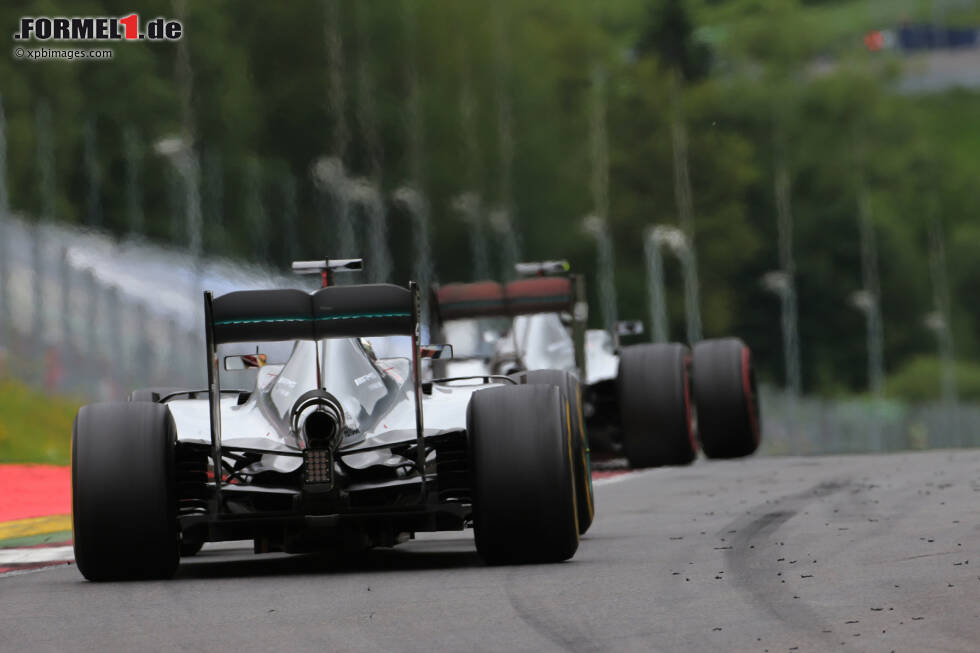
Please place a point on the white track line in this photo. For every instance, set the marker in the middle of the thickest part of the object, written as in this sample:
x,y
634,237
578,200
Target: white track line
x,y
34,555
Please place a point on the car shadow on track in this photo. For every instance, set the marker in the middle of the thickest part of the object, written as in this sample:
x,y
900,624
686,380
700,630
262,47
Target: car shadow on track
x,y
213,564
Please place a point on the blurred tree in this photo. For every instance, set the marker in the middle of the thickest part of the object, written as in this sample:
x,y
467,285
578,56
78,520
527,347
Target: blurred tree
x,y
668,34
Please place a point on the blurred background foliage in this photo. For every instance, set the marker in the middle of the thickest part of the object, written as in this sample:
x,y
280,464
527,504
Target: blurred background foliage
x,y
263,113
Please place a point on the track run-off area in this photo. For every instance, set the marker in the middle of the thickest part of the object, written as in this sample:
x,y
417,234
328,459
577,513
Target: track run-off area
x,y
851,553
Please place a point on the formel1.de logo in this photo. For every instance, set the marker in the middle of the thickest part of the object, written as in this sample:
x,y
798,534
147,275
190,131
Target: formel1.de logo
x,y
97,28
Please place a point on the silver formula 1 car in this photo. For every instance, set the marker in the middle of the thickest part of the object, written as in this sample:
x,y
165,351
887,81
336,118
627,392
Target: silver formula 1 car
x,y
334,449
653,403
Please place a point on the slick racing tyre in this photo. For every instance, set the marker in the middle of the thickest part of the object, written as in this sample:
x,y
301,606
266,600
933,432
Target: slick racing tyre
x,y
581,463
124,509
190,543
655,405
524,507
725,398
152,394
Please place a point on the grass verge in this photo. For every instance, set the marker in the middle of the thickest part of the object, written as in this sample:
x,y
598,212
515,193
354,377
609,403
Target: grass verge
x,y
34,427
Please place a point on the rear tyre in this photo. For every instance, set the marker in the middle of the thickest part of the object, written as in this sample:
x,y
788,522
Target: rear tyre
x,y
726,399
655,405
524,508
124,509
152,394
581,462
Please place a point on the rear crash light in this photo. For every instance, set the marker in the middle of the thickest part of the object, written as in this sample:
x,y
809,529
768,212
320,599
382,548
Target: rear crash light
x,y
318,467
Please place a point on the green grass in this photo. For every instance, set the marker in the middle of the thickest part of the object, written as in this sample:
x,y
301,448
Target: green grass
x,y
34,427
34,540
918,380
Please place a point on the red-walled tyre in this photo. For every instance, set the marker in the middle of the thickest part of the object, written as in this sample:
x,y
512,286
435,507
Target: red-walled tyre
x,y
655,405
726,399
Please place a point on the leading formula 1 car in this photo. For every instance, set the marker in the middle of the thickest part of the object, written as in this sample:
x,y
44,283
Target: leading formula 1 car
x,y
335,449
638,400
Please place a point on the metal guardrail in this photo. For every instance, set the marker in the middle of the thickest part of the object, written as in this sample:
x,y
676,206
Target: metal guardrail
x,y
84,314
810,425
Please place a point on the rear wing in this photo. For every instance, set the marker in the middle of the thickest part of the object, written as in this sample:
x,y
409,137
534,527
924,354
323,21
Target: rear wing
x,y
552,288
540,295
334,312
457,301
331,312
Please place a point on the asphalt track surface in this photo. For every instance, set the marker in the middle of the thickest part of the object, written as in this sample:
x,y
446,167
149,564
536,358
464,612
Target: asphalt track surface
x,y
856,553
